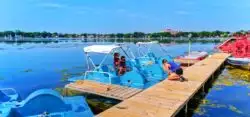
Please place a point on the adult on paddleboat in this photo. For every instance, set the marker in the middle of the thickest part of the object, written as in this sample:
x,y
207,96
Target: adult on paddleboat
x,y
122,66
116,61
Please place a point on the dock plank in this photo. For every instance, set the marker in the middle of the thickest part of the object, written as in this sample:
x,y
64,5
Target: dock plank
x,y
106,90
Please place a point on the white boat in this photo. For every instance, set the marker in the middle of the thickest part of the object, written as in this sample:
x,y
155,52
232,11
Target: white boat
x,y
192,57
242,62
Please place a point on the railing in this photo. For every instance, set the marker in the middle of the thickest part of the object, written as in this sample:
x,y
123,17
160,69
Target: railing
x,y
109,75
7,90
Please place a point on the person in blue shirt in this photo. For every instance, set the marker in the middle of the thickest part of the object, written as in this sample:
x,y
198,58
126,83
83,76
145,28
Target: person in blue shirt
x,y
172,75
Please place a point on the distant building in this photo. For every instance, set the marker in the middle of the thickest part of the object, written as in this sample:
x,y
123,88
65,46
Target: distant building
x,y
171,31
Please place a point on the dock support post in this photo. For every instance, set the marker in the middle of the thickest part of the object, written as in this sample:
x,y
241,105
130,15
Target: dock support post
x,y
203,89
186,110
66,92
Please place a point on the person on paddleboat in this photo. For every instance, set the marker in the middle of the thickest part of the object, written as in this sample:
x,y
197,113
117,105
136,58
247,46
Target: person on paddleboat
x,y
122,66
172,75
116,61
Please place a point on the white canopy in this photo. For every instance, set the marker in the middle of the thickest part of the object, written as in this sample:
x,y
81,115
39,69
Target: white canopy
x,y
146,43
100,48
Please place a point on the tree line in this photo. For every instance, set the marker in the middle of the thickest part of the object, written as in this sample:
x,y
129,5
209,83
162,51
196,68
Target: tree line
x,y
44,34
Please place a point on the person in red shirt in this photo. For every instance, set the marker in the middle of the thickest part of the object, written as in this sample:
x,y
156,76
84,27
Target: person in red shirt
x,y
122,66
116,61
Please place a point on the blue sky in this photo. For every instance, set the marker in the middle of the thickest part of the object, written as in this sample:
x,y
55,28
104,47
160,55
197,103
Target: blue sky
x,y
106,16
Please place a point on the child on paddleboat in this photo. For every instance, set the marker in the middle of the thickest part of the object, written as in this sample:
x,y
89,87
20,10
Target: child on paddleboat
x,y
116,61
122,66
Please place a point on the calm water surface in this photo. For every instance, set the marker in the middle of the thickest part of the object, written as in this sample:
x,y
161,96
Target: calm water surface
x,y
31,66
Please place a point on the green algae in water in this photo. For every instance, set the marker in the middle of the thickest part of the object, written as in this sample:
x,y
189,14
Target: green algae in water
x,y
200,111
27,70
67,92
96,104
101,106
234,109
205,101
65,77
217,88
224,82
240,74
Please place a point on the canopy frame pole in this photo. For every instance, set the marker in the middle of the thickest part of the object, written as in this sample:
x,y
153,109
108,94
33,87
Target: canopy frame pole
x,y
125,52
131,53
87,60
91,61
103,60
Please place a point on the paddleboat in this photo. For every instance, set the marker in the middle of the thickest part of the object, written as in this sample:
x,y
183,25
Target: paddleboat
x,y
43,103
106,73
191,58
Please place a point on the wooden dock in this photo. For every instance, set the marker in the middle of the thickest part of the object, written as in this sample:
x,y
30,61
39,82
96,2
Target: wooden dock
x,y
167,98
106,90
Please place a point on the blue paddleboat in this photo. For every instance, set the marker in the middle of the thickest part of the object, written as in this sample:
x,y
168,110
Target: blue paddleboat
x,y
150,65
45,103
106,73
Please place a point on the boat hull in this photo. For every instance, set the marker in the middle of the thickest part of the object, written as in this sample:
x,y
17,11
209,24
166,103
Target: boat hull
x,y
192,58
241,62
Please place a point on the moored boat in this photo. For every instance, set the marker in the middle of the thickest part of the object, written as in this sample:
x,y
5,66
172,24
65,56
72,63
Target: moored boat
x,y
191,58
242,62
239,47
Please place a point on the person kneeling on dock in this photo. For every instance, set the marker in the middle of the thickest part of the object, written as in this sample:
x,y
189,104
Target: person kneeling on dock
x,y
176,75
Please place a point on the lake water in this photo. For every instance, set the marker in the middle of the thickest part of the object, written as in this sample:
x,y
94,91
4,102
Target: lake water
x,y
31,66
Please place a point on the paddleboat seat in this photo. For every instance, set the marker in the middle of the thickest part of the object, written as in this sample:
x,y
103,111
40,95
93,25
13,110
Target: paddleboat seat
x,y
154,73
151,54
48,102
133,78
102,75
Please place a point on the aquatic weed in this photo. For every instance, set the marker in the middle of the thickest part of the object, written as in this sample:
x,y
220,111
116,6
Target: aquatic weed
x,y
234,109
27,70
200,111
65,77
67,92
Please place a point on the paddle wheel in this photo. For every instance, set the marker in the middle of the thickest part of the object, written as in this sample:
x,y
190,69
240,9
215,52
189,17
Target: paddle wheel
x,y
238,46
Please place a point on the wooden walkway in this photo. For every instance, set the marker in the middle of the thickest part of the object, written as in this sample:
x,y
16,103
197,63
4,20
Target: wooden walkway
x,y
167,98
106,90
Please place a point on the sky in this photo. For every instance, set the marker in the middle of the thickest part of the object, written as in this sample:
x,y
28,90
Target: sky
x,y
113,16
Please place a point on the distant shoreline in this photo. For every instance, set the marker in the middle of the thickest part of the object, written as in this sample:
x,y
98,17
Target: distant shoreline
x,y
160,40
